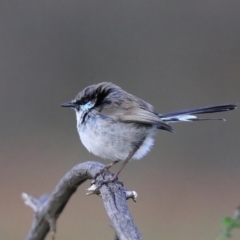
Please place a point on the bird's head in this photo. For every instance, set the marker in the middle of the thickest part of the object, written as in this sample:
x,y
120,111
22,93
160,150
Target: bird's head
x,y
96,97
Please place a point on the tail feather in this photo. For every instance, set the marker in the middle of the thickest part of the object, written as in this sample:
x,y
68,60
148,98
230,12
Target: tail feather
x,y
189,114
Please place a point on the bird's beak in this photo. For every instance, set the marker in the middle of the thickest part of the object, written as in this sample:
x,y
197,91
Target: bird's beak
x,y
69,104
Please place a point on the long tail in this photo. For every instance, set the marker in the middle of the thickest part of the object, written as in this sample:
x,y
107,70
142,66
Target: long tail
x,y
189,114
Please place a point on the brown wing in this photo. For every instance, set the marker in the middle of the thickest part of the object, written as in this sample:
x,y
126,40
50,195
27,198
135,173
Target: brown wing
x,y
143,116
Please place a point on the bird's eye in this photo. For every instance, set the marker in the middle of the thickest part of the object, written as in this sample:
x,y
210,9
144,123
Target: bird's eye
x,y
84,101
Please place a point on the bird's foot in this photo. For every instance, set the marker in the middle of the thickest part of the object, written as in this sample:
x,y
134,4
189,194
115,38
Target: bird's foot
x,y
101,171
113,179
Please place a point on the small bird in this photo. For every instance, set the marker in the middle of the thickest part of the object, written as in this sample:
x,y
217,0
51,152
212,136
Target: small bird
x,y
116,125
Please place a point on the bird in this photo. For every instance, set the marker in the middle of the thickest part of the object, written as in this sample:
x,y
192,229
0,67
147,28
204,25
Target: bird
x,y
116,125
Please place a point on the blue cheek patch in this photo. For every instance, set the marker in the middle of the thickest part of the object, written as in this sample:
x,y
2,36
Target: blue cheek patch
x,y
87,106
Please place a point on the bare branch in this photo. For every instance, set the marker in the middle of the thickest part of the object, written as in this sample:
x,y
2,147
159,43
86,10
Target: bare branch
x,y
48,207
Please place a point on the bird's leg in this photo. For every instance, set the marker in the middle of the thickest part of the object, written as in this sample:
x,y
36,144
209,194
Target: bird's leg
x,y
123,165
110,164
115,177
106,167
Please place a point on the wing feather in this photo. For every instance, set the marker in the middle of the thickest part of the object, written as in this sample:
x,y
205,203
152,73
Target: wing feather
x,y
143,116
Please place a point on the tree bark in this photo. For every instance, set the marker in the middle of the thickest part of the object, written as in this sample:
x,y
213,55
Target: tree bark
x,y
48,207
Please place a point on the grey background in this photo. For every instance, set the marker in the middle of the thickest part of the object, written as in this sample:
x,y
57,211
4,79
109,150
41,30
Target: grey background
x,y
174,54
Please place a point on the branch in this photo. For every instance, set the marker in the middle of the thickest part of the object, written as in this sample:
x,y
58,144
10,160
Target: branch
x,y
48,207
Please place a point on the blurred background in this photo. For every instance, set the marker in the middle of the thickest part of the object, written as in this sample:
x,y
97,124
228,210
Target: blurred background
x,y
174,54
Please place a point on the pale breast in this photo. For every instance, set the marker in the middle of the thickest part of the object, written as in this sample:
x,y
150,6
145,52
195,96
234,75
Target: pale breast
x,y
115,140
